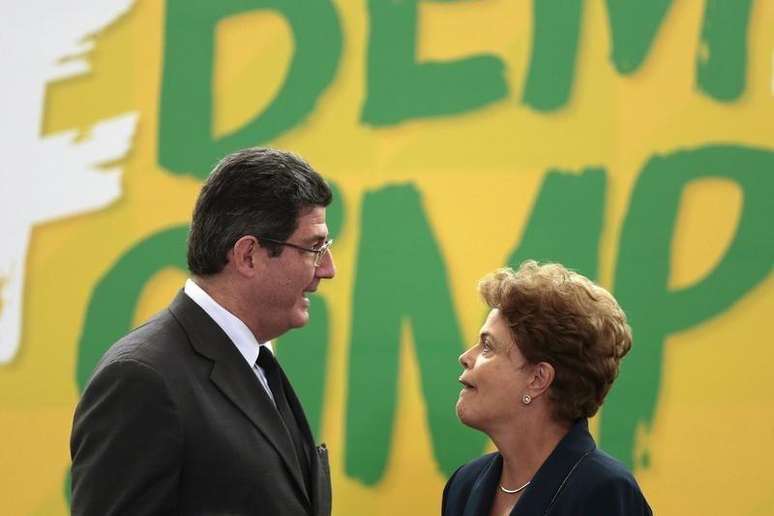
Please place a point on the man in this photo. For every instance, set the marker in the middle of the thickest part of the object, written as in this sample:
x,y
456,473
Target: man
x,y
190,413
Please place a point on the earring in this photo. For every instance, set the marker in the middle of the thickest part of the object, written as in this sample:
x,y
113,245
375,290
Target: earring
x,y
526,399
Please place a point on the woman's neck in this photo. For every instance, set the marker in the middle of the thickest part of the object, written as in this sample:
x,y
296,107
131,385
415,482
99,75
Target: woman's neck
x,y
526,447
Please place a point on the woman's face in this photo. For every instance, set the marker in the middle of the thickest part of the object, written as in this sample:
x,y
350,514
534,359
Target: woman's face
x,y
494,379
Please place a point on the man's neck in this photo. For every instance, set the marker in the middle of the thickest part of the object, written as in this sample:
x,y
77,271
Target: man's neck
x,y
223,292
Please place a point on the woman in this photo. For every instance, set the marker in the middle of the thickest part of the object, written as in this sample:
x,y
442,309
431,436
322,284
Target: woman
x,y
544,361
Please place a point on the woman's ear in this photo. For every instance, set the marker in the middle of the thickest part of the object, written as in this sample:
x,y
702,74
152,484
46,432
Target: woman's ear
x,y
543,375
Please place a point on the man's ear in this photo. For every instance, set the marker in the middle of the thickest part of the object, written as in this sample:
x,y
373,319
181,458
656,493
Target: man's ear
x,y
543,375
247,256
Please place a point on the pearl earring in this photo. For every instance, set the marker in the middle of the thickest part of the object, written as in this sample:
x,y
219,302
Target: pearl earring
x,y
526,399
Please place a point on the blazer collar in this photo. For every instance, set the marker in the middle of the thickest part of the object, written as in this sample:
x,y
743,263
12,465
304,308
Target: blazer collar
x,y
484,488
233,377
547,482
555,471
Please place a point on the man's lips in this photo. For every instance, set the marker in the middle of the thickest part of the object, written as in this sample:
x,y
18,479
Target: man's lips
x,y
466,384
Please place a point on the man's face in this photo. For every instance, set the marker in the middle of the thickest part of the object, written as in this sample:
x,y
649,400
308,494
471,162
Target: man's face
x,y
289,277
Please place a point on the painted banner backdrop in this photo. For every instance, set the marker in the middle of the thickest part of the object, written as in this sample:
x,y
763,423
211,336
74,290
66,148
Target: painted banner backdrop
x,y
633,141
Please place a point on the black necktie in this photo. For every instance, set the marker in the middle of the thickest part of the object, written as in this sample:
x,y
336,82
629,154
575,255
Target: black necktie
x,y
272,369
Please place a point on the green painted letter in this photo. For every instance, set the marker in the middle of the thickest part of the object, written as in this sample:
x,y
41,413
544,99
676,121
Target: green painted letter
x,y
633,27
566,222
722,63
401,279
399,88
643,271
186,143
554,47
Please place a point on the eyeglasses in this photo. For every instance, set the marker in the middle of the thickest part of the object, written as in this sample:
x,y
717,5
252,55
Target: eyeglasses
x,y
319,252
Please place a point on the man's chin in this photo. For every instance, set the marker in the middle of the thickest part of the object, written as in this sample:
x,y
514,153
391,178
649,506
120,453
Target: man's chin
x,y
300,318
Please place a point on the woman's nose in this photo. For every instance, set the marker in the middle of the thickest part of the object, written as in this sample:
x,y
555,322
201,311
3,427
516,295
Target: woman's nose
x,y
465,359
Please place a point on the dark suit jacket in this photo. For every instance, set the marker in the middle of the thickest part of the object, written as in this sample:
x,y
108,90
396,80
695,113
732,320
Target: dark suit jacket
x,y
174,421
576,479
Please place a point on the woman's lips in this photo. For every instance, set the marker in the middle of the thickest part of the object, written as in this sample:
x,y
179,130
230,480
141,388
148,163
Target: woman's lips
x,y
465,385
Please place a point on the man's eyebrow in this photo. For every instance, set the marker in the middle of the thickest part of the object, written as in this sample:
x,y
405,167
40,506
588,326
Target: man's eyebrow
x,y
319,238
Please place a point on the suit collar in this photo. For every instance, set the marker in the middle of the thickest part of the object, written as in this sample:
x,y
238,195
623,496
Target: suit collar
x,y
236,330
234,378
484,489
547,483
555,471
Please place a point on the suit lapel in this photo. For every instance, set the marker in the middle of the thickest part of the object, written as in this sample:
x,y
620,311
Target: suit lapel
x,y
300,416
552,476
316,456
234,378
482,494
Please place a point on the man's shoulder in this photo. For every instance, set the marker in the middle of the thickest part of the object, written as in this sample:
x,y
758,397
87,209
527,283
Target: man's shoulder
x,y
155,343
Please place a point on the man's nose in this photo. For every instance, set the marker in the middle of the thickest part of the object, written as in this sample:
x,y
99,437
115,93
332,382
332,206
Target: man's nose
x,y
326,269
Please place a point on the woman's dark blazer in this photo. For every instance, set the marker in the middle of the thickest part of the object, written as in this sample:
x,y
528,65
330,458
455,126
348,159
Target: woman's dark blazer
x,y
576,479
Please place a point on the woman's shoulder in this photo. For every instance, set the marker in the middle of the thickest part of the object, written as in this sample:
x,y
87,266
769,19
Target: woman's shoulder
x,y
599,467
603,485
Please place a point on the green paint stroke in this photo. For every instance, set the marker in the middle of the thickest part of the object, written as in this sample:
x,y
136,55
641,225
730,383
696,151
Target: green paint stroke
x,y
642,273
566,222
398,88
554,52
633,27
401,279
186,142
721,66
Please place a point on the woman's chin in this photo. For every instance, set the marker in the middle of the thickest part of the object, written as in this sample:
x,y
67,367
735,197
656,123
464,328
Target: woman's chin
x,y
464,415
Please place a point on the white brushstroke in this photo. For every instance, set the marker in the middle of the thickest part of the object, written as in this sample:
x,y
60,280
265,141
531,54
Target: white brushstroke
x,y
46,178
